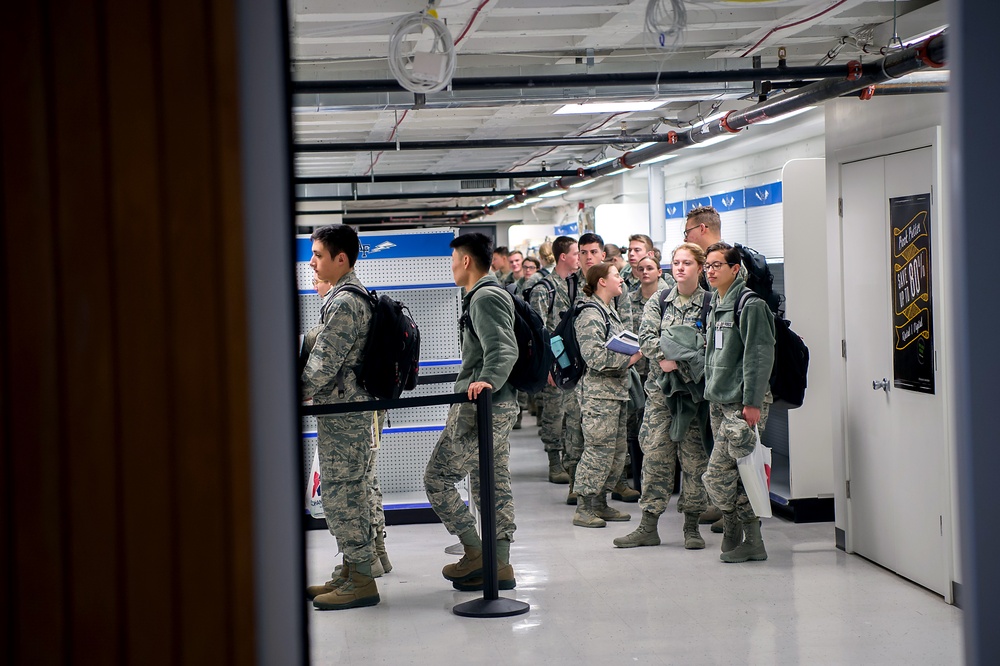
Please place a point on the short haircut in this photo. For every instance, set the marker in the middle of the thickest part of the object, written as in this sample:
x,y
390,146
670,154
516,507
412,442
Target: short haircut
x,y
502,251
531,260
695,250
594,275
706,215
337,238
590,239
729,253
657,255
612,251
561,246
517,252
644,239
477,246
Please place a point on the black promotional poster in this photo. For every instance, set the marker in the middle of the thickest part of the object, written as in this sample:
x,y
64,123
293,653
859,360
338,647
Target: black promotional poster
x,y
913,337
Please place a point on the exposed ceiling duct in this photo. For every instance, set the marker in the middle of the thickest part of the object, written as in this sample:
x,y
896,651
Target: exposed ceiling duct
x,y
930,53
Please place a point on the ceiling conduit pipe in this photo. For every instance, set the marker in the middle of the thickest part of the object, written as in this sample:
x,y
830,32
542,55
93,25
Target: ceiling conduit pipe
x,y
474,144
415,177
927,54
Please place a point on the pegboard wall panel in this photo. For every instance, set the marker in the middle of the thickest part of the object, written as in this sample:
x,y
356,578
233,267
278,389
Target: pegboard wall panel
x,y
403,458
765,232
436,313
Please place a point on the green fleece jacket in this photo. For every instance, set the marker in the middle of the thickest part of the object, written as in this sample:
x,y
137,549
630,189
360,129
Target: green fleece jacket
x,y
489,350
739,369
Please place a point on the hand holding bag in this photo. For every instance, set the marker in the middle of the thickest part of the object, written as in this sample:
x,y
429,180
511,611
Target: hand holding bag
x,y
755,472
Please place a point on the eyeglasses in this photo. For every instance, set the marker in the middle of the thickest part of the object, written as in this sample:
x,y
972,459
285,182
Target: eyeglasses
x,y
688,230
717,265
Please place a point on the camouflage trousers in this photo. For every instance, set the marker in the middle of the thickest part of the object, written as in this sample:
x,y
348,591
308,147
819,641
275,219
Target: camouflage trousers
x,y
457,454
573,428
733,439
660,457
603,445
345,462
374,489
559,423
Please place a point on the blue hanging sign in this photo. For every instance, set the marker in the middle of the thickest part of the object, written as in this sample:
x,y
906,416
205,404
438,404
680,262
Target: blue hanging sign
x,y
390,246
675,210
697,203
765,195
568,229
729,201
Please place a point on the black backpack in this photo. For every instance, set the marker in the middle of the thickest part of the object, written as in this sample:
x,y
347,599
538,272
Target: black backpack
x,y
569,366
759,278
391,358
534,355
791,358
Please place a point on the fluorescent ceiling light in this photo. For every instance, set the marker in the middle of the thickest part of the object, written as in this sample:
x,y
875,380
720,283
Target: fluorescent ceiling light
x,y
497,202
615,173
532,200
583,184
515,206
661,158
924,36
771,121
549,195
610,107
715,139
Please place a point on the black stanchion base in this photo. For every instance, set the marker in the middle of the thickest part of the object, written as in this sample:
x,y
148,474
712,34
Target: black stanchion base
x,y
491,608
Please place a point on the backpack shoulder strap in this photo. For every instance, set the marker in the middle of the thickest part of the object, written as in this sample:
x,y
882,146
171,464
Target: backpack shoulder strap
x,y
604,315
663,300
465,320
741,303
360,291
551,289
706,305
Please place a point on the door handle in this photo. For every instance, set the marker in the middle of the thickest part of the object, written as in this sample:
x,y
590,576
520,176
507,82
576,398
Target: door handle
x,y
884,385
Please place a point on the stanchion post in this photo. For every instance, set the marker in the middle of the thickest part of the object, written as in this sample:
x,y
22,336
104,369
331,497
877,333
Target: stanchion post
x,y
492,604
487,494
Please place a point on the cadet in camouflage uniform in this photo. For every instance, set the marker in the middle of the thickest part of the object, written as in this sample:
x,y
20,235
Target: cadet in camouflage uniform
x,y
674,426
489,351
551,298
344,440
639,246
737,372
604,397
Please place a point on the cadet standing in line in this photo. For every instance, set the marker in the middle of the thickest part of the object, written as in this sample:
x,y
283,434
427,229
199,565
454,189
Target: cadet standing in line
x,y
639,246
344,440
550,298
676,419
604,397
737,372
489,351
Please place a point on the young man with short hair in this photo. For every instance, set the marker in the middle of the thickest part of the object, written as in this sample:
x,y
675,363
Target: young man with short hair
x,y
489,351
703,227
500,265
639,246
344,440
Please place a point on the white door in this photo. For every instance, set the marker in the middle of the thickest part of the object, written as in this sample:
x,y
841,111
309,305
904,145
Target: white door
x,y
896,438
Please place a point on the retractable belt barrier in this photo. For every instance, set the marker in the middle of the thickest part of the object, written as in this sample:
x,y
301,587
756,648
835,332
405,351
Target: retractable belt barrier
x,y
492,604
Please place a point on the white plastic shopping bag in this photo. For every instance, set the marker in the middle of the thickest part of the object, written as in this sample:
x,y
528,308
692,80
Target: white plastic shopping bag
x,y
314,497
755,472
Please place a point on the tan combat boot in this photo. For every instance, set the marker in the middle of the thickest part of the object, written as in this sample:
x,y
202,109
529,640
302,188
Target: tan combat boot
x,y
624,492
340,575
585,516
605,512
381,555
470,566
571,497
359,591
752,547
692,537
644,535
732,533
556,472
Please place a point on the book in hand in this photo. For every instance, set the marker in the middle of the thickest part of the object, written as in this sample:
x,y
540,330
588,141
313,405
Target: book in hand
x,y
625,342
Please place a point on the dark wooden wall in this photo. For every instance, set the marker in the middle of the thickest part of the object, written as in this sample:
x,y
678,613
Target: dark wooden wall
x,y
125,524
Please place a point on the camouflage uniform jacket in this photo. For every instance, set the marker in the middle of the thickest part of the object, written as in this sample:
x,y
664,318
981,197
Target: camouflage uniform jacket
x,y
631,281
338,349
678,311
540,298
739,371
607,371
489,354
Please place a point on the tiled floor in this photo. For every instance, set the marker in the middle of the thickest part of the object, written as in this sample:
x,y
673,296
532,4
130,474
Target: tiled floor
x,y
591,603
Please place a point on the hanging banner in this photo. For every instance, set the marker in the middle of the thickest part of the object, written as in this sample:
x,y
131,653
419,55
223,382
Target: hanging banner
x,y
913,338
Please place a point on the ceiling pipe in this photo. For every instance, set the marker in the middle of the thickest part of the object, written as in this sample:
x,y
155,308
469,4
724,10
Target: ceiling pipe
x,y
930,53
415,177
411,195
474,144
582,80
413,210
